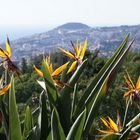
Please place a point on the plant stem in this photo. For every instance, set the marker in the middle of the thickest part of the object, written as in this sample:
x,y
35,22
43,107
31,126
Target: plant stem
x,y
126,111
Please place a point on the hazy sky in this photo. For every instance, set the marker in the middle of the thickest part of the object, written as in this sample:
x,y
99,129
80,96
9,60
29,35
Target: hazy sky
x,y
25,17
55,12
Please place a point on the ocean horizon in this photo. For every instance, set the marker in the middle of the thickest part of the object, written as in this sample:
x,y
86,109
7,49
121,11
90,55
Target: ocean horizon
x,y
19,32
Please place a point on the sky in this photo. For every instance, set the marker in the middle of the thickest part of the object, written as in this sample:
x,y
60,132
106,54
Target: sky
x,y
22,16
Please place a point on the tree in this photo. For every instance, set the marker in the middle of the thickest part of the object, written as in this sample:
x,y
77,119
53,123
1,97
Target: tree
x,y
24,66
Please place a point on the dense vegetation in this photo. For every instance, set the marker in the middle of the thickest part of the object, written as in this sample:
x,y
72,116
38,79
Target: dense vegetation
x,y
70,109
27,88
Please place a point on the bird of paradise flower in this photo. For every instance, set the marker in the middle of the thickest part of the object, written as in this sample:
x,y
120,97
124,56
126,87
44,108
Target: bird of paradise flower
x,y
7,61
54,73
77,56
112,127
134,90
3,88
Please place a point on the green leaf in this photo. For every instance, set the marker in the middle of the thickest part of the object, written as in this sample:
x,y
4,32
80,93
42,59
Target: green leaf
x,y
64,75
35,114
101,76
93,105
76,130
95,108
75,77
28,123
50,87
43,118
41,130
73,103
57,130
65,97
111,137
14,123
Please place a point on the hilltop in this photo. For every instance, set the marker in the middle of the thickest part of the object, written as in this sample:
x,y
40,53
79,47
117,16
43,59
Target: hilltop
x,y
73,26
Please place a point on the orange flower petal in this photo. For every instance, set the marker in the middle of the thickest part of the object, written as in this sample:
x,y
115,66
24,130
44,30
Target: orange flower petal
x,y
128,93
58,83
68,53
76,48
60,69
129,84
2,53
39,72
72,67
138,83
79,51
106,131
106,123
84,49
113,125
130,80
50,68
8,49
5,89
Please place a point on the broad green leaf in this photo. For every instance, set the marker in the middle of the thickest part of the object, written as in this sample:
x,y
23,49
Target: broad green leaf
x,y
50,87
72,67
111,137
14,123
75,77
98,80
43,118
76,130
64,75
93,105
35,114
56,128
59,69
73,103
65,97
28,123
41,130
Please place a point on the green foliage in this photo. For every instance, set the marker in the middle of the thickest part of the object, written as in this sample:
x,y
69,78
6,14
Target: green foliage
x,y
14,123
43,115
24,65
26,87
76,131
51,89
65,102
56,128
28,122
69,112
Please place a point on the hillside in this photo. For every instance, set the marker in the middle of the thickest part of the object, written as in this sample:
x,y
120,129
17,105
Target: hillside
x,y
106,39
